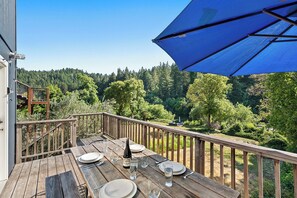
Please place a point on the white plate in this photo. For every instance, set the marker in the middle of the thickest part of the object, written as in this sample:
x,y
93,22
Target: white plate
x,y
90,157
136,148
178,171
120,188
177,167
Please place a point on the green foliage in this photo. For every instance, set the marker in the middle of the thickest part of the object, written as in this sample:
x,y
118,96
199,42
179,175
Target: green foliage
x,y
247,90
234,129
206,94
71,104
129,96
158,111
274,140
281,93
244,114
178,106
87,89
55,93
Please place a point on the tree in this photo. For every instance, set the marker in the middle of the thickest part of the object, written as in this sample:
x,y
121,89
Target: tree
x,y
206,93
55,93
128,94
87,89
281,94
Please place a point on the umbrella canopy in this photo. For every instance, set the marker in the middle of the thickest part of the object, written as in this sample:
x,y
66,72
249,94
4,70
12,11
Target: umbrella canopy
x,y
234,37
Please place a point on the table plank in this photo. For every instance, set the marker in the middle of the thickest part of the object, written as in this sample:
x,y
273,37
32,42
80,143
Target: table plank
x,y
76,170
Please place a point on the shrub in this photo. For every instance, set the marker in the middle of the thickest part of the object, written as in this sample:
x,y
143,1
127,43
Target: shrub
x,y
192,123
158,111
236,128
276,143
249,127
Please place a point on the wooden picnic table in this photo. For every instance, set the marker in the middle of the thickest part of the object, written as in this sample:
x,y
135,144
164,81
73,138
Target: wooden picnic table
x,y
195,185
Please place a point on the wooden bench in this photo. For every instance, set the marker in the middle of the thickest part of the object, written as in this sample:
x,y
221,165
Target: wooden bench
x,y
61,185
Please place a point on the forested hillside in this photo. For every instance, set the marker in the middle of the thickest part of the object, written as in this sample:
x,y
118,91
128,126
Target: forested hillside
x,y
164,84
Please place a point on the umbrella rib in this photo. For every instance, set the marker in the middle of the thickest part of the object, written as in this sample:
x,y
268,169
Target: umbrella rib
x,y
206,26
260,51
235,42
274,36
279,17
287,40
220,22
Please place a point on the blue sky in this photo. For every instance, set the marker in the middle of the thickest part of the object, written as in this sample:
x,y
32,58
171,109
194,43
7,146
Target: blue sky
x,y
94,35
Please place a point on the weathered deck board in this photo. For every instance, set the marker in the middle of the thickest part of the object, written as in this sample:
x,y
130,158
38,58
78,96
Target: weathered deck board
x,y
30,192
11,183
22,181
41,178
28,179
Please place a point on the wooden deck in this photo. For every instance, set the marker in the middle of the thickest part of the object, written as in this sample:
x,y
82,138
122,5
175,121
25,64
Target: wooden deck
x,y
28,179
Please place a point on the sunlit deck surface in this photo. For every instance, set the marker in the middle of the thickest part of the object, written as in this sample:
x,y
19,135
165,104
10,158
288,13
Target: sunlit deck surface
x,y
28,179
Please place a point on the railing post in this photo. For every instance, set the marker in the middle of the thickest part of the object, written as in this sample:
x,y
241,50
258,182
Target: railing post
x,y
144,137
277,179
295,179
104,123
73,133
118,128
197,155
233,170
19,145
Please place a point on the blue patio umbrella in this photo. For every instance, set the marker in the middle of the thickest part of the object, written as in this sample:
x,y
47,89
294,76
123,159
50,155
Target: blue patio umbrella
x,y
234,37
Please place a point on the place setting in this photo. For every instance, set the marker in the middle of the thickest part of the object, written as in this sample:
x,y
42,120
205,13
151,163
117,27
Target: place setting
x,y
90,160
177,168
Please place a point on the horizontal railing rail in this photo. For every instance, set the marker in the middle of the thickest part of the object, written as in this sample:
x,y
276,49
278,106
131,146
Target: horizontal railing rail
x,y
190,149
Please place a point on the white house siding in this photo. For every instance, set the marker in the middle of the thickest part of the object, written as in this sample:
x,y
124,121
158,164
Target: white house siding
x,y
7,45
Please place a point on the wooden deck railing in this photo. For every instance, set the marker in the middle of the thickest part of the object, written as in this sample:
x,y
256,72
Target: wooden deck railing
x,y
189,148
211,156
39,139
88,124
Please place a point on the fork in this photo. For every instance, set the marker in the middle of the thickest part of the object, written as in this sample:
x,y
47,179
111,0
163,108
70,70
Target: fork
x,y
185,177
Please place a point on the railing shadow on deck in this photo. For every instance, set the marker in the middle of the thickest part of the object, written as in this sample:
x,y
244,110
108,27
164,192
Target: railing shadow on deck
x,y
195,150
